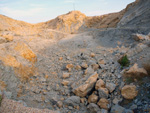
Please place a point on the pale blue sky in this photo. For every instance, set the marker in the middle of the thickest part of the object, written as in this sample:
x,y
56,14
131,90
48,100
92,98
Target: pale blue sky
x,y
34,11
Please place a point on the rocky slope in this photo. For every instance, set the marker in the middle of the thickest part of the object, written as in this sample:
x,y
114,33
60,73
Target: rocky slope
x,y
70,64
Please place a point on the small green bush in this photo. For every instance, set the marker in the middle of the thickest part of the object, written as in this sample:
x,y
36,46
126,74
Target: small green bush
x,y
124,61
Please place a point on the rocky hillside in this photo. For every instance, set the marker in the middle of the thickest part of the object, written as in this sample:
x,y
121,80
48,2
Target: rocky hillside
x,y
77,64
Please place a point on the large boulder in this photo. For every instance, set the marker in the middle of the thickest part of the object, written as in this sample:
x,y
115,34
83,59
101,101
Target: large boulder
x,y
135,71
129,92
83,89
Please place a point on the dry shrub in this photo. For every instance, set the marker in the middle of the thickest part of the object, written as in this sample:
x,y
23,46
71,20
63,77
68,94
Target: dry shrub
x,y
25,72
11,61
26,52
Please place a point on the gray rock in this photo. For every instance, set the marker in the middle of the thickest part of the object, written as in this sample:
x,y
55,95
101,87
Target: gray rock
x,y
117,109
72,101
102,94
93,108
110,86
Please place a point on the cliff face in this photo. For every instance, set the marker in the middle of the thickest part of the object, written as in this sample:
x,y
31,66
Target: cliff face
x,y
137,14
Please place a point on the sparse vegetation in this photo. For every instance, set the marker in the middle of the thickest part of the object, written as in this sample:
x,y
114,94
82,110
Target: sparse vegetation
x,y
124,61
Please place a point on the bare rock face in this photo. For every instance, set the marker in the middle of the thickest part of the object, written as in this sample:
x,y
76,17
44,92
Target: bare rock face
x,y
87,86
92,98
104,103
99,84
136,14
129,92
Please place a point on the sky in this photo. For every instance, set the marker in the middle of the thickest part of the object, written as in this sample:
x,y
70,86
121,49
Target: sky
x,y
34,11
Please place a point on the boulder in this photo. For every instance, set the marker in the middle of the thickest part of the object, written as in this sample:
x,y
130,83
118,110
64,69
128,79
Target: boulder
x,y
103,92
110,86
135,70
93,98
83,89
104,103
129,91
99,84
93,108
72,101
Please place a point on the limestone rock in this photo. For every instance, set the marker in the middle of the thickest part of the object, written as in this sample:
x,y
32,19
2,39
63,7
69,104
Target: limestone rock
x,y
103,92
95,66
110,86
93,98
66,75
104,103
87,86
92,55
84,65
93,108
59,104
101,61
135,70
99,84
65,82
72,101
129,92
69,67
89,71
